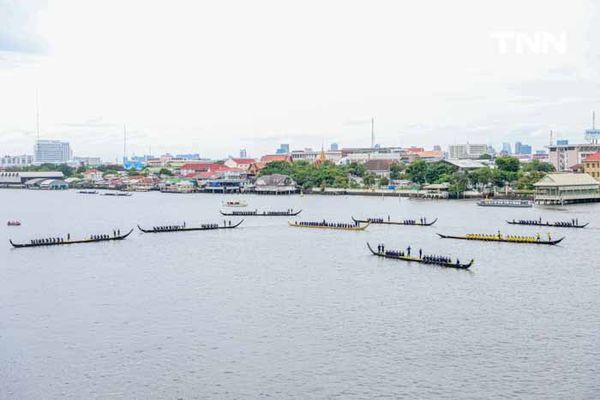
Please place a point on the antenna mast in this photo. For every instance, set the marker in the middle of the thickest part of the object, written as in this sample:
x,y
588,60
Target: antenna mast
x,y
124,143
37,115
372,132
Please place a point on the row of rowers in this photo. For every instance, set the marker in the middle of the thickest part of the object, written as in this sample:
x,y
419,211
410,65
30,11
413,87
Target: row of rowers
x,y
512,238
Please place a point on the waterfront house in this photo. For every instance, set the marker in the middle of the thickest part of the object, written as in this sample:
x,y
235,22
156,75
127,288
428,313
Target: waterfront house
x,y
18,179
591,165
275,184
466,165
241,163
197,168
565,188
54,184
379,167
92,175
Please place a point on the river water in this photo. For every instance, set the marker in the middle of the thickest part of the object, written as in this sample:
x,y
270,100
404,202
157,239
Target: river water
x,y
271,311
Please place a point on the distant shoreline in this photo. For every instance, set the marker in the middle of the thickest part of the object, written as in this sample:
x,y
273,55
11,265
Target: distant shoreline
x,y
412,194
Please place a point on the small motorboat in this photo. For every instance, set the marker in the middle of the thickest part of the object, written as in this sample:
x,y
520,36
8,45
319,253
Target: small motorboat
x,y
234,203
13,223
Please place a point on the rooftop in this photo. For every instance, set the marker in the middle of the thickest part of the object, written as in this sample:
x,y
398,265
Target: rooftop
x,y
593,157
566,179
466,164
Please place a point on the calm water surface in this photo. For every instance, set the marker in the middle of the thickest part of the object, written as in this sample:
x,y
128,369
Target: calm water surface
x,y
269,311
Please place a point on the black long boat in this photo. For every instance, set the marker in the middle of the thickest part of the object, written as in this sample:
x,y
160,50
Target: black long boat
x,y
119,194
381,221
182,228
495,238
559,224
58,243
255,213
419,260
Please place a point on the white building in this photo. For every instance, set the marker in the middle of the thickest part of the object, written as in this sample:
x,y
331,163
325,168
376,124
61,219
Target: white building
x,y
16,161
468,150
87,161
52,151
312,155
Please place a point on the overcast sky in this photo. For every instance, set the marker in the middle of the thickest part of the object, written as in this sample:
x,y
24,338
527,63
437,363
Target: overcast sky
x,y
214,77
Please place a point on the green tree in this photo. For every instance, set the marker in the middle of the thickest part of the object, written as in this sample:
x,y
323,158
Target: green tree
x,y
417,171
508,164
369,179
458,183
165,171
396,170
537,166
384,181
438,172
356,169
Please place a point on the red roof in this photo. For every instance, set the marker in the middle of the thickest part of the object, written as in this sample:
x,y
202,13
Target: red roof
x,y
243,160
593,157
414,149
274,157
203,167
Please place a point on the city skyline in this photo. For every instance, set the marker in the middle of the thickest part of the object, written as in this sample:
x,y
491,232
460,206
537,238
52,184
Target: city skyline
x,y
194,86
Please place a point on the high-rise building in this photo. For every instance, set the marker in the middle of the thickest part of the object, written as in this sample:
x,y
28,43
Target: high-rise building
x,y
334,147
461,151
284,148
525,149
52,151
506,148
521,148
243,153
437,147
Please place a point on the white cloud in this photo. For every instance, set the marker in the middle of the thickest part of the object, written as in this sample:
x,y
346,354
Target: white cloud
x,y
212,77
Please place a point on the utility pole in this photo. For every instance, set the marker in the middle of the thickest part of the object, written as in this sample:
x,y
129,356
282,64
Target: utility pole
x,y
37,115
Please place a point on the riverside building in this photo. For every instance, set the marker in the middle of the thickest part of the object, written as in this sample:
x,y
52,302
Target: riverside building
x,y
566,188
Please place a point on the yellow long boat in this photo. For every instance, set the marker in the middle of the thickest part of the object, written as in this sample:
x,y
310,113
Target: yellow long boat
x,y
504,238
335,226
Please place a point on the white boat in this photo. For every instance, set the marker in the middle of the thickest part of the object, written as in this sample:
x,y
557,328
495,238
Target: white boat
x,y
234,203
505,203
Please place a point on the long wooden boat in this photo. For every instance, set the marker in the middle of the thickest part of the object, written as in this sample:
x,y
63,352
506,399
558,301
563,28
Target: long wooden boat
x,y
493,238
255,213
505,203
384,222
181,228
420,260
108,239
117,194
556,225
349,227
